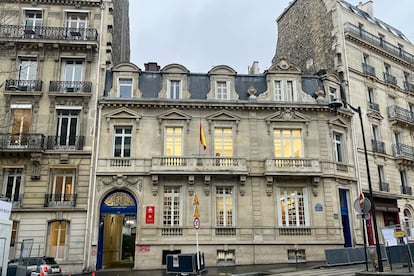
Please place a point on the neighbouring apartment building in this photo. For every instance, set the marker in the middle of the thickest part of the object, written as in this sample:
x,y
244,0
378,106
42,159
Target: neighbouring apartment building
x,y
54,56
375,63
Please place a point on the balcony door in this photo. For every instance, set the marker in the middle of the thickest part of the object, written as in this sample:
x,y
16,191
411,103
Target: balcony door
x,y
72,75
77,23
20,127
32,23
13,184
67,128
27,74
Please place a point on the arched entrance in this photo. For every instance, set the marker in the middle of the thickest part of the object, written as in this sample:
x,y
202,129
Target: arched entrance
x,y
117,230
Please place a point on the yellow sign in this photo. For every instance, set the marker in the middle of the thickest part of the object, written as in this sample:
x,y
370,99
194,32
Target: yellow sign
x,y
196,213
195,201
399,234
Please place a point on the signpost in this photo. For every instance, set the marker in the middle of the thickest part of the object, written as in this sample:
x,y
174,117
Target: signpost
x,y
196,224
363,205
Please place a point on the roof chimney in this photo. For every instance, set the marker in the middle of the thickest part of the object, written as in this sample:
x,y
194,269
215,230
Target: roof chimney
x,y
152,66
367,7
254,69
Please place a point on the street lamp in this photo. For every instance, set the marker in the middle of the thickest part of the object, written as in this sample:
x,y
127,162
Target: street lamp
x,y
338,104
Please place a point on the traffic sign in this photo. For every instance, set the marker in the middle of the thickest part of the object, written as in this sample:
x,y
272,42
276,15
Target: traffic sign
x,y
363,216
366,205
196,223
399,234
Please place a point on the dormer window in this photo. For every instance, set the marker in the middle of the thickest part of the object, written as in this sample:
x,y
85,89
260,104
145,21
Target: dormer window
x,y
174,89
223,90
125,88
285,91
333,94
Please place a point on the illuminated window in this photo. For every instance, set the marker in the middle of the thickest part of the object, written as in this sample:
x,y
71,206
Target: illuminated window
x,y
292,206
339,147
57,239
62,190
223,142
287,143
20,126
224,206
125,88
174,89
226,256
222,90
172,206
13,238
122,142
173,141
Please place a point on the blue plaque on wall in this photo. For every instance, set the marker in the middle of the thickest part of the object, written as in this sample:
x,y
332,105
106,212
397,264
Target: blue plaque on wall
x,y
318,207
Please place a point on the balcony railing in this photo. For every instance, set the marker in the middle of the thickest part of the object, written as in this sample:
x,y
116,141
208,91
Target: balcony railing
x,y
172,232
16,200
408,86
388,78
378,42
368,70
374,106
282,166
70,87
65,142
54,33
23,85
406,190
60,200
21,141
200,164
400,114
378,146
384,186
402,150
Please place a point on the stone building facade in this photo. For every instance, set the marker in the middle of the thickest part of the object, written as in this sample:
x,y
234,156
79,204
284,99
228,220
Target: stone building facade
x,y
375,63
54,55
268,180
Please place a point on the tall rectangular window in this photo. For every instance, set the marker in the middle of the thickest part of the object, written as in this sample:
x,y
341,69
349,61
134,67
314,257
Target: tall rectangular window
x,y
173,141
12,187
13,238
223,142
292,206
125,88
77,24
63,186
172,206
22,119
57,239
122,141
338,140
285,91
73,70
333,94
67,127
32,23
27,69
278,91
222,90
174,89
376,133
381,174
224,206
287,143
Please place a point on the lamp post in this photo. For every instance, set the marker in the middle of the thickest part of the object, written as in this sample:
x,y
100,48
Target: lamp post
x,y
335,105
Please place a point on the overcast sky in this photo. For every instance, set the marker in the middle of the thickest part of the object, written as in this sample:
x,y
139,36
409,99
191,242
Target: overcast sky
x,y
204,33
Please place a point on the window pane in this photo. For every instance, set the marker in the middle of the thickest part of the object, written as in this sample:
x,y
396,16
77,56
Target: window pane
x,y
287,143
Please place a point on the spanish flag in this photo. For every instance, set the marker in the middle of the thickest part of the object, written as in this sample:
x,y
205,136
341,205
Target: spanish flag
x,y
202,137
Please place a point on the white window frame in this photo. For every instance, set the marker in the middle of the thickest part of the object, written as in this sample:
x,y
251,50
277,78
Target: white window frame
x,y
376,134
16,175
177,193
222,90
381,174
68,140
333,94
125,83
123,135
281,193
67,173
339,156
174,137
220,140
291,139
174,89
224,195
60,251
285,90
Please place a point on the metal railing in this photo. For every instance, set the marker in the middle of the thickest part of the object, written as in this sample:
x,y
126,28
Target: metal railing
x,y
21,141
55,33
52,200
388,78
403,150
406,190
368,70
378,42
384,186
374,106
398,113
408,86
378,146
65,142
70,86
23,85
16,199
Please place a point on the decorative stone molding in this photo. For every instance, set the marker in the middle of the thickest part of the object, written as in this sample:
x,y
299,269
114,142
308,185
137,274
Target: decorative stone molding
x,y
155,182
315,184
121,114
120,181
269,185
36,158
242,183
190,185
223,116
207,182
174,114
287,115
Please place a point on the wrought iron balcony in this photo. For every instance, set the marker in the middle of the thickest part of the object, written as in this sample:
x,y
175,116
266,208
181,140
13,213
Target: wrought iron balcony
x,y
368,70
378,146
289,166
374,106
18,141
384,186
70,87
408,86
65,142
50,33
52,200
16,200
24,85
406,190
376,41
402,150
398,114
388,78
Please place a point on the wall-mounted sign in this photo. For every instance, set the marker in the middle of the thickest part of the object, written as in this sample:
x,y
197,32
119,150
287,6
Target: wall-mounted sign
x,y
149,214
318,207
5,210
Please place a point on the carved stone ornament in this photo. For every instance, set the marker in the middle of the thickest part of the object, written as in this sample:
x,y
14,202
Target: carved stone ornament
x,y
121,180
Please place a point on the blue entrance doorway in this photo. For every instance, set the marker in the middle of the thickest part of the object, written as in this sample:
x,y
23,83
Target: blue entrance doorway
x,y
117,229
343,197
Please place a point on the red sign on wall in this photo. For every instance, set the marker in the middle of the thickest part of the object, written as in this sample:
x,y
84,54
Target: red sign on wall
x,y
149,214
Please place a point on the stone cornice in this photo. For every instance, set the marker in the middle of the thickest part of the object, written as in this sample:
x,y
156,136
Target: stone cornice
x,y
76,3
